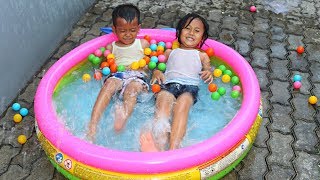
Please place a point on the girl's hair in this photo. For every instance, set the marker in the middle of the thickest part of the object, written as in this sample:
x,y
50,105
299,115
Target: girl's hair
x,y
186,20
127,12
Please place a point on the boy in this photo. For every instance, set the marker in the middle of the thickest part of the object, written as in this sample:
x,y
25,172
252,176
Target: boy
x,y
127,49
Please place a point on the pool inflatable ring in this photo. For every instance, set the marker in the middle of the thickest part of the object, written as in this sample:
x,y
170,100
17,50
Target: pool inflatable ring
x,y
215,157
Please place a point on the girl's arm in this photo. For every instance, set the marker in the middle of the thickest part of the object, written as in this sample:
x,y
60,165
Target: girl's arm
x,y
206,73
158,75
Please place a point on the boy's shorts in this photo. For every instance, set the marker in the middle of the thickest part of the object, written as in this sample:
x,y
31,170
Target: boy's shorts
x,y
128,76
177,89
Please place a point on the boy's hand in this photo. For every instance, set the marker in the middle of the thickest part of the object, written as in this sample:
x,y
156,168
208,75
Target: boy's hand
x,y
157,76
206,75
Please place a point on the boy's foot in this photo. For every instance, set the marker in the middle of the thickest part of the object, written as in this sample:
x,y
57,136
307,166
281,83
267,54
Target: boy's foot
x,y
120,118
147,143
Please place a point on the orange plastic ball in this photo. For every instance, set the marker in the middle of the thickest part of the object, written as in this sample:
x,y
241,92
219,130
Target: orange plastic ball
x,y
210,52
97,75
153,53
111,61
113,68
147,37
300,49
155,88
104,64
147,58
159,52
212,87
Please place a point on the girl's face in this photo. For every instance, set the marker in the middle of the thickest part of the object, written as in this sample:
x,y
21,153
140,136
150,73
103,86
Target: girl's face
x,y
192,34
126,31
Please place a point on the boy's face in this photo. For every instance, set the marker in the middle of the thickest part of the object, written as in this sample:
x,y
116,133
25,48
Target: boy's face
x,y
126,31
192,34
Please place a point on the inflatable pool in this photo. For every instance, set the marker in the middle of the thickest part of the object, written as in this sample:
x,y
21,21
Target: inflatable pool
x,y
213,158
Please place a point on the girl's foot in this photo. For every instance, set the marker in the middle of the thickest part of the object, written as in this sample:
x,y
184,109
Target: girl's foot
x,y
147,143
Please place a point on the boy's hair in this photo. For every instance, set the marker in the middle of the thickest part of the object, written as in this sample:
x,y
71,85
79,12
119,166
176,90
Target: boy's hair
x,y
184,23
127,12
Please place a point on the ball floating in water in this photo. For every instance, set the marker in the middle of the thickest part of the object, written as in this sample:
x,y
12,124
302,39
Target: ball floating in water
x,y
235,80
106,53
86,77
215,96
297,77
154,59
152,65
106,71
153,47
235,94
222,68
253,9
225,78
97,75
155,88
98,52
90,57
24,111
236,88
111,61
16,106
221,91
102,49
297,85
147,37
147,51
168,45
110,56
142,63
162,67
217,72
162,58
210,52
212,87
135,65
300,49
113,68
17,118
96,60
313,100
22,139
153,41
120,68
228,72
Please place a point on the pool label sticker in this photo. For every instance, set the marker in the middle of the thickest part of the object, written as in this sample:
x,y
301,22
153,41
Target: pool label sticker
x,y
68,164
59,157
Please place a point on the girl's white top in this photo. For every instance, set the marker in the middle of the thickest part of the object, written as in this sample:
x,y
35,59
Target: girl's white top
x,y
183,66
127,55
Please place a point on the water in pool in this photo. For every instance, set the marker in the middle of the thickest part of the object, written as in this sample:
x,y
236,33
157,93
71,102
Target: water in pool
x,y
74,101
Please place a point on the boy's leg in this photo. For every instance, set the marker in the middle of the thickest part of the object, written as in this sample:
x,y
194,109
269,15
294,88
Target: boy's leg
x,y
103,99
180,119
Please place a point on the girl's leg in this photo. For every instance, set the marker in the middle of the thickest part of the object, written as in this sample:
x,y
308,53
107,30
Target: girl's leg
x,y
103,100
123,112
180,119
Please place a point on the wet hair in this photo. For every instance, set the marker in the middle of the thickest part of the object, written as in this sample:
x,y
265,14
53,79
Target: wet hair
x,y
186,20
127,12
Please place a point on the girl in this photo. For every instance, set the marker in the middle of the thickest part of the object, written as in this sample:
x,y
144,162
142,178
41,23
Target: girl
x,y
180,85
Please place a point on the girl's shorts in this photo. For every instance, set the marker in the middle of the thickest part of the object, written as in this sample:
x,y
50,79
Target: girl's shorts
x,y
177,89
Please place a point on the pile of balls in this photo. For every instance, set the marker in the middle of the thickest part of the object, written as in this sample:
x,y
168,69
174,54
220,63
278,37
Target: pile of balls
x,y
297,81
17,118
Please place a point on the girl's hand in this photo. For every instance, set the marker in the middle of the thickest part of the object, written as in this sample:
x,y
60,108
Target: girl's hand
x,y
206,75
157,76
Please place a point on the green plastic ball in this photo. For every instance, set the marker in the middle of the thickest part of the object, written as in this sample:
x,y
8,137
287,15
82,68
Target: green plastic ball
x,y
221,91
121,68
222,68
235,80
235,94
228,72
215,96
152,65
102,49
96,61
162,67
91,57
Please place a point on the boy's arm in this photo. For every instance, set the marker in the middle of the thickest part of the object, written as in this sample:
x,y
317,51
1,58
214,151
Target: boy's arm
x,y
109,47
144,43
206,73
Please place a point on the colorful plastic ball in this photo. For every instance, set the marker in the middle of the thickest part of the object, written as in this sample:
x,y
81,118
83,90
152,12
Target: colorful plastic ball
x,y
96,60
98,52
297,77
212,87
135,65
235,94
147,37
106,53
16,106
111,61
142,63
210,52
253,9
168,45
110,56
155,88
236,88
162,58
153,41
17,118
222,68
175,46
152,65
300,49
147,58
162,67
102,49
228,72
113,68
121,68
297,85
106,71
24,111
215,96
90,57
153,47
154,59
217,72
147,51
235,80
161,43
104,64
222,91
97,75
160,48
313,100
22,139
86,77
225,78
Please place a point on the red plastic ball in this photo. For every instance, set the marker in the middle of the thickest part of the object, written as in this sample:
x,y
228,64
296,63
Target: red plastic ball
x,y
300,49
155,88
210,52
212,87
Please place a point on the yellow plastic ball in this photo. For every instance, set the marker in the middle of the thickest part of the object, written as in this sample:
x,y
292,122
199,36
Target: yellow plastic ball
x,y
142,63
175,46
17,118
313,100
86,78
217,73
135,65
225,78
22,139
110,56
147,51
160,48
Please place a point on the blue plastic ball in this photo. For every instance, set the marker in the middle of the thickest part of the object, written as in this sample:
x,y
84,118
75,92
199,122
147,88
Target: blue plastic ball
x,y
16,106
161,43
154,59
297,77
24,111
106,71
153,47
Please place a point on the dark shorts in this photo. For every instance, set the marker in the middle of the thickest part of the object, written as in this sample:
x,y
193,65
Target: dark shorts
x,y
177,89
